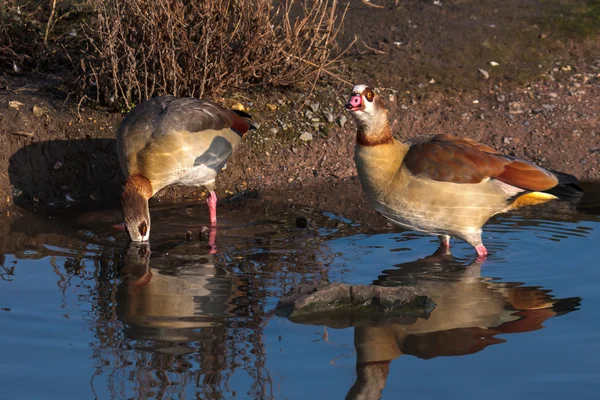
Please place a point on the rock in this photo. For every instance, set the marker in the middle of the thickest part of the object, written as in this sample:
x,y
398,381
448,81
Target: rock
x,y
238,106
432,81
483,72
515,108
17,68
342,121
15,104
305,136
341,305
494,63
329,117
38,111
203,233
273,130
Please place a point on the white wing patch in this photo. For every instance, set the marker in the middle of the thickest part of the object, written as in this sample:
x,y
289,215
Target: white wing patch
x,y
198,175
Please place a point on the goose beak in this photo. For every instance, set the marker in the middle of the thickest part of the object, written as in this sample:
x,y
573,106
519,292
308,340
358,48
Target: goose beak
x,y
354,103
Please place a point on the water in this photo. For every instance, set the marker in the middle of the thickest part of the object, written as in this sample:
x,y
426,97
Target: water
x,y
86,316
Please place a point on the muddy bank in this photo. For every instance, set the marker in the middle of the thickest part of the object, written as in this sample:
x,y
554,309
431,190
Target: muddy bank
x,y
68,154
541,102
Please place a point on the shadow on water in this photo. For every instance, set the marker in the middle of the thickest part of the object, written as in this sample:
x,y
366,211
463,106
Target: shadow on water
x,y
172,320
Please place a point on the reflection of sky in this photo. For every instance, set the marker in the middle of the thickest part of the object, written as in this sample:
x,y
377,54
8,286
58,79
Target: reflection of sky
x,y
45,339
559,361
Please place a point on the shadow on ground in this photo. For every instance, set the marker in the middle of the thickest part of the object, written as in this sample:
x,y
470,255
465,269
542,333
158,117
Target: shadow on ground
x,y
62,171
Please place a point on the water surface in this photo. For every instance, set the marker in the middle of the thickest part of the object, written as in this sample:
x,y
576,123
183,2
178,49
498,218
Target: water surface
x,y
85,315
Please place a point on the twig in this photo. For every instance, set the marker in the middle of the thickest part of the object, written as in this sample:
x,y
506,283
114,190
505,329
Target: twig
x,y
367,2
319,69
368,47
49,23
21,133
80,118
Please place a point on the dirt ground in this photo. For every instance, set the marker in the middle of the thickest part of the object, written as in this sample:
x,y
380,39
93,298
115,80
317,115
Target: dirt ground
x,y
433,63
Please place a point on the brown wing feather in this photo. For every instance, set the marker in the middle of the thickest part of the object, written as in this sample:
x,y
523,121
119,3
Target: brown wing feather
x,y
448,158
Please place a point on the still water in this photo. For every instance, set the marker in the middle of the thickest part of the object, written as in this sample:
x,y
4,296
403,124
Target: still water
x,y
83,315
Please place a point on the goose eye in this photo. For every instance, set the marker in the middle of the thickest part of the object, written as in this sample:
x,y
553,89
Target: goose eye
x,y
143,228
369,95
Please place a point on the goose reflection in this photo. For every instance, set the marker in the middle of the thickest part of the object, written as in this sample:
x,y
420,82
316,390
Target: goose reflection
x,y
175,295
471,311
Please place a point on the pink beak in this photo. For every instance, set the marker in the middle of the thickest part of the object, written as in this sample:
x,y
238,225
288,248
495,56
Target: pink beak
x,y
354,103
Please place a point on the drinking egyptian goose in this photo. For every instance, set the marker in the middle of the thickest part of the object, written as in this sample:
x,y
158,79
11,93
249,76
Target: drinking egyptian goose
x,y
170,140
443,184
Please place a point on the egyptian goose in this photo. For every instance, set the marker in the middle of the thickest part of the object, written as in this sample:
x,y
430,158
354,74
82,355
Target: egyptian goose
x,y
170,140
443,184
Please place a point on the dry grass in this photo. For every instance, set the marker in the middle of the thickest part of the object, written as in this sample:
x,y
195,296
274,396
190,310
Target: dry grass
x,y
17,37
143,48
41,35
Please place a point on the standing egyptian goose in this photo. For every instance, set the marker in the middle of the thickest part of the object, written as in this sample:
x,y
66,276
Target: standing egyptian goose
x,y
442,184
171,140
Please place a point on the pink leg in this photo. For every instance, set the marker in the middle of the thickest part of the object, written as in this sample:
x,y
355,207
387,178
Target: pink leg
x,y
212,207
481,250
212,237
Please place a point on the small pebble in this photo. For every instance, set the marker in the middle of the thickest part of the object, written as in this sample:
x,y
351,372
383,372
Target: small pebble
x,y
305,136
203,234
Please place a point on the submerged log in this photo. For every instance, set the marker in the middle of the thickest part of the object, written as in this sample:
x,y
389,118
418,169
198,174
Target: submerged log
x,y
340,305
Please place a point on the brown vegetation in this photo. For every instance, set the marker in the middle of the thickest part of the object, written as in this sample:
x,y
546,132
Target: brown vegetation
x,y
41,35
132,50
143,48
